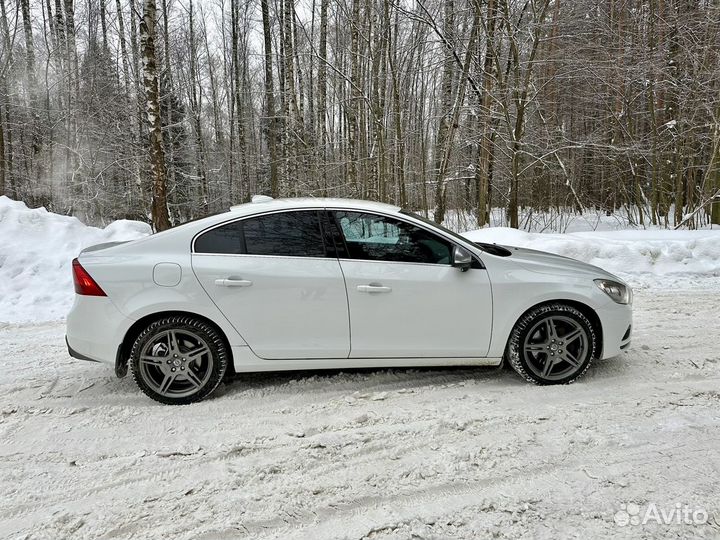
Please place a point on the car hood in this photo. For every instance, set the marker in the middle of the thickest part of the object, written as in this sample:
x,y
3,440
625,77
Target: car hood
x,y
549,263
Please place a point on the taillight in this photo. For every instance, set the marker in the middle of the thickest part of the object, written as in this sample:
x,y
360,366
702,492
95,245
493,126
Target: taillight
x,y
84,284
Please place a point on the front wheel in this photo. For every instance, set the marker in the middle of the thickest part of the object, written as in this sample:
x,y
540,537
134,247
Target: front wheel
x,y
552,344
178,360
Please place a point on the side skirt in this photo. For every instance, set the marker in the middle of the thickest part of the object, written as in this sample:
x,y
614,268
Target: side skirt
x,y
245,361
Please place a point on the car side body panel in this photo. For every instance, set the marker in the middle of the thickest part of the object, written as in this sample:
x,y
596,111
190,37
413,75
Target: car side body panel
x,y
423,310
519,287
284,307
127,274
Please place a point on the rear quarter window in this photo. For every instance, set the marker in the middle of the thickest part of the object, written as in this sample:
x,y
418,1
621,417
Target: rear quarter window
x,y
226,239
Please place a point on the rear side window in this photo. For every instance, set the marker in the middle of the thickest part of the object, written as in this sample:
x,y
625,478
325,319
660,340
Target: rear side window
x,y
226,239
290,234
286,234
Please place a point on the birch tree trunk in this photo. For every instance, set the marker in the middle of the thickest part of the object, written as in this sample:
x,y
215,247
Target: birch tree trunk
x,y
158,173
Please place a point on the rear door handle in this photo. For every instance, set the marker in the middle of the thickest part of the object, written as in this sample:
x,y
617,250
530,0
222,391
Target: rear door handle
x,y
231,282
373,289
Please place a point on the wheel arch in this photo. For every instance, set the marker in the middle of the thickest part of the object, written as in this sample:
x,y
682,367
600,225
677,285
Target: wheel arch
x,y
583,308
123,353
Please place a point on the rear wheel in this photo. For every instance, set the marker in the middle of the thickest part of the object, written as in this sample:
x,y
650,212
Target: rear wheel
x,y
178,360
552,344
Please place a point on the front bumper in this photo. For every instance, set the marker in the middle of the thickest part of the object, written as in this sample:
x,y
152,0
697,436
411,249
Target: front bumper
x,y
616,320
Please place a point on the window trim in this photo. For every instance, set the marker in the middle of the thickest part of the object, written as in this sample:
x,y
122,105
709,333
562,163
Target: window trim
x,y
330,252
330,212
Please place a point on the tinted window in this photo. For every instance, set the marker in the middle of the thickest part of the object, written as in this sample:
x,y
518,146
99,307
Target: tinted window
x,y
379,238
290,234
225,239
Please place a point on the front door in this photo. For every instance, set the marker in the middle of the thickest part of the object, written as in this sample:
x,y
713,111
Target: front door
x,y
278,282
405,298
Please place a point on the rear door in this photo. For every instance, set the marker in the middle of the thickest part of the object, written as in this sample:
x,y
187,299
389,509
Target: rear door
x,y
277,280
405,297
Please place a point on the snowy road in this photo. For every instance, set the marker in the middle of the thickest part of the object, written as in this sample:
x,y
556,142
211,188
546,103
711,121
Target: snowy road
x,y
443,454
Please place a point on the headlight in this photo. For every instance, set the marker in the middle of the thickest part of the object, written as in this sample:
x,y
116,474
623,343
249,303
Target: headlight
x,y
622,294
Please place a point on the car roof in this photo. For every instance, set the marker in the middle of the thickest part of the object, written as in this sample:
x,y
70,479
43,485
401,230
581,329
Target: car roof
x,y
264,204
261,205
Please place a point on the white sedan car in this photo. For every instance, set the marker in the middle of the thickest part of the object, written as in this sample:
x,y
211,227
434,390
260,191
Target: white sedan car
x,y
331,283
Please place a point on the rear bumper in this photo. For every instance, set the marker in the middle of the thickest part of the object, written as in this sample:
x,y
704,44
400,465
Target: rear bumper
x,y
95,329
74,354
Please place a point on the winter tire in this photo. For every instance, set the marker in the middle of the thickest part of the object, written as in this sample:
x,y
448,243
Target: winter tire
x,y
178,360
552,344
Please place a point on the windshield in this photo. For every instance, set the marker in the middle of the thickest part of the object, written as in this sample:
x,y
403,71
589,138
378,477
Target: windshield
x,y
493,249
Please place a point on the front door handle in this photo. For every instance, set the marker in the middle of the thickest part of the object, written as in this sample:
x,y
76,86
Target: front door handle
x,y
373,288
232,282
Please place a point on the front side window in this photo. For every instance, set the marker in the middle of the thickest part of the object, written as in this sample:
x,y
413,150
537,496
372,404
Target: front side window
x,y
287,234
380,238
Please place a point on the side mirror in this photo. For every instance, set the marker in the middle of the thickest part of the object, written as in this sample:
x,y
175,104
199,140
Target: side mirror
x,y
461,258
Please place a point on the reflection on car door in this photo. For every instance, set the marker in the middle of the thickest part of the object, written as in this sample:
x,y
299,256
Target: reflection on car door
x,y
277,280
405,298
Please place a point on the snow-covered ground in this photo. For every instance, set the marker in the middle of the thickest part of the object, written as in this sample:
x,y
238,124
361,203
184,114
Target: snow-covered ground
x,y
399,454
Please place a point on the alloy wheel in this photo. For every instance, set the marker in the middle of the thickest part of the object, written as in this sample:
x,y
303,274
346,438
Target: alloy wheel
x,y
555,347
176,363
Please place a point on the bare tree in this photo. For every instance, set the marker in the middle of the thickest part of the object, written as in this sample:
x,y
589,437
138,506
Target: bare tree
x,y
270,121
470,108
158,172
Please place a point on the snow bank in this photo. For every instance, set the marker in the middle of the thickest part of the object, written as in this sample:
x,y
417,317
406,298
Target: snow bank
x,y
642,257
36,248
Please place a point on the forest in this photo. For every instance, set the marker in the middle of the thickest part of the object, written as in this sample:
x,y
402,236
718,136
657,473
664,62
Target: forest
x,y
170,110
